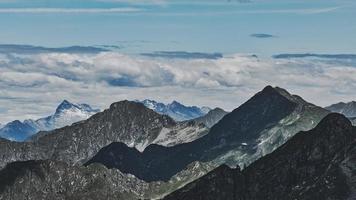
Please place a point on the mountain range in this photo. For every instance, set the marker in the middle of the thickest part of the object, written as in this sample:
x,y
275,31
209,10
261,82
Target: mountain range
x,y
130,151
128,122
254,129
347,109
176,110
68,113
65,114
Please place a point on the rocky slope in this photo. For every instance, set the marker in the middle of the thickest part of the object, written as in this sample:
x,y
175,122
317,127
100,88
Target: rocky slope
x,y
347,109
211,118
176,110
318,164
66,114
353,120
127,122
254,129
46,179
58,180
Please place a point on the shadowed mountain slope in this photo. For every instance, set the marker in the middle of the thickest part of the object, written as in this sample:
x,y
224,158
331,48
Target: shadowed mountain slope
x,y
317,164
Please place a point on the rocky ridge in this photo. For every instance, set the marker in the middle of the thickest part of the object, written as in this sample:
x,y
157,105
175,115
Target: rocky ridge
x,y
317,164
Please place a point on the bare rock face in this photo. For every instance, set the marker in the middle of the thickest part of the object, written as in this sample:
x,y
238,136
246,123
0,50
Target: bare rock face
x,y
128,122
317,164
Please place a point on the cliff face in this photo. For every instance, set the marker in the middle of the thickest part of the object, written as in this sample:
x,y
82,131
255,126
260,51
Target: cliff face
x,y
317,164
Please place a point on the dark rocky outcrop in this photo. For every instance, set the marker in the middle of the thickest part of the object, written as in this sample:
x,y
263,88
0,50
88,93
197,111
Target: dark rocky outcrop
x,y
317,164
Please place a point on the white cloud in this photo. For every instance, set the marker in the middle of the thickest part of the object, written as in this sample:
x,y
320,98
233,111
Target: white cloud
x,y
32,85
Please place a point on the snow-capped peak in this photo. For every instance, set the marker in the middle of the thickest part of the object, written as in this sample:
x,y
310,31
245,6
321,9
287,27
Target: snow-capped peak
x,y
176,110
66,105
66,114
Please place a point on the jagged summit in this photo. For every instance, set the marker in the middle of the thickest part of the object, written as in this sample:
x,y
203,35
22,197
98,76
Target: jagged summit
x,y
66,105
283,92
176,110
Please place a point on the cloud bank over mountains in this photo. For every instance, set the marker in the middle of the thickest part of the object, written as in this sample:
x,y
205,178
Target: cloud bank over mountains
x,y
30,85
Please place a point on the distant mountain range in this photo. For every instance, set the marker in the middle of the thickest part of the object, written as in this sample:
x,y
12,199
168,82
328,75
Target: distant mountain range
x,y
68,113
128,122
176,110
347,109
318,164
65,114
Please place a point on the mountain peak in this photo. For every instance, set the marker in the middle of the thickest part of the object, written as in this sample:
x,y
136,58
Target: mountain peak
x,y
14,123
284,93
135,109
65,105
334,120
66,113
175,104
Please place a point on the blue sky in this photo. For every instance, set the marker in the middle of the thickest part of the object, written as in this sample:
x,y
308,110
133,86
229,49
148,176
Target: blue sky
x,y
321,26
205,53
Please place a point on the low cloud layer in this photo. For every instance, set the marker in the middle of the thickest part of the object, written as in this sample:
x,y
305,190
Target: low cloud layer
x,y
32,85
183,55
